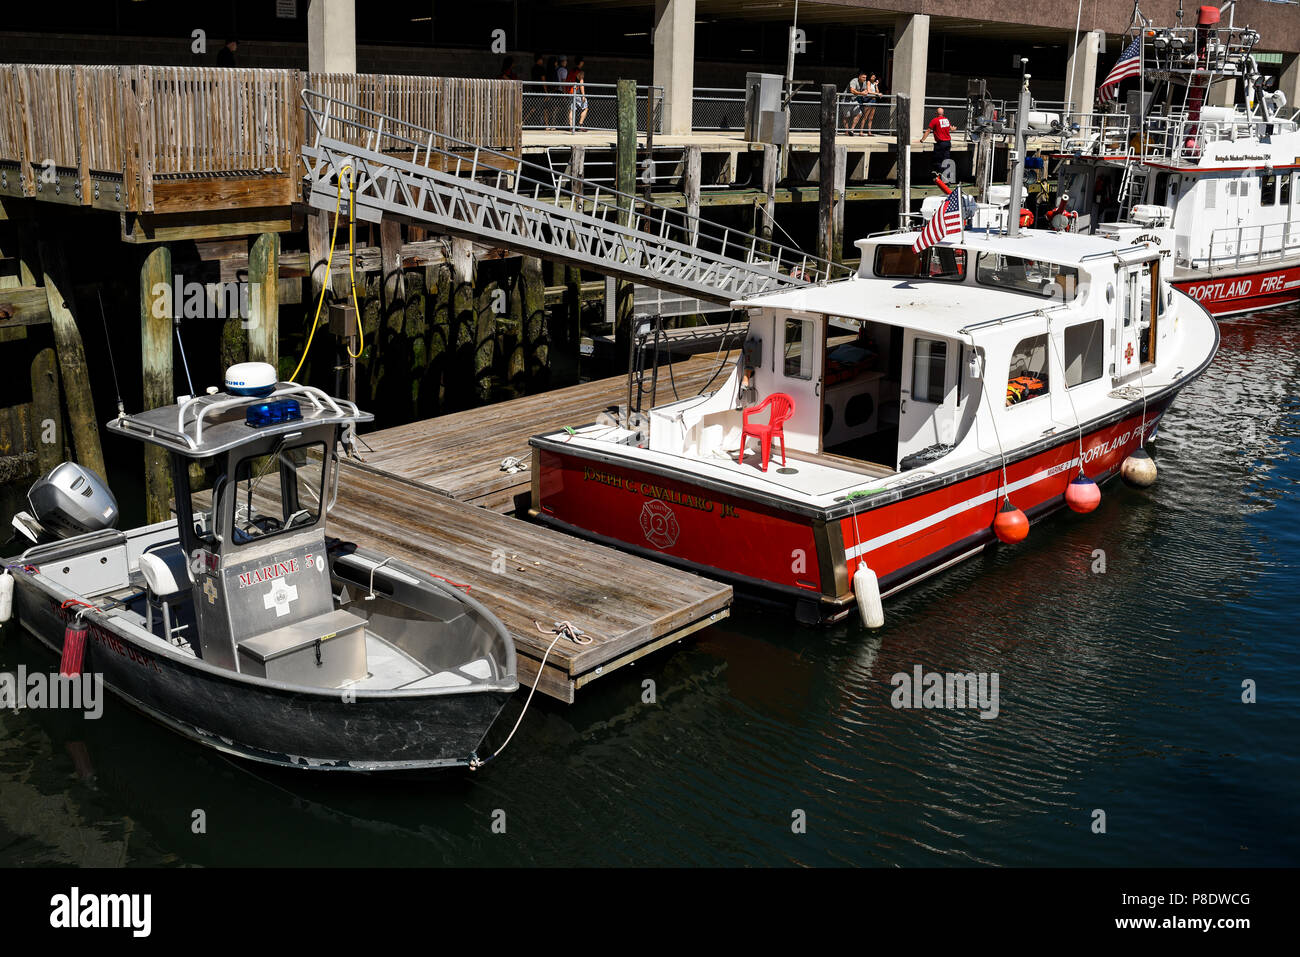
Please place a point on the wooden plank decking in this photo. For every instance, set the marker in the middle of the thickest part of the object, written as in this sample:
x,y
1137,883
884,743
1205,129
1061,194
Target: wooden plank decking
x,y
459,455
525,573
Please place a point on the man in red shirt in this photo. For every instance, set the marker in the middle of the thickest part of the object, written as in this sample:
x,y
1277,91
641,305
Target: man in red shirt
x,y
942,131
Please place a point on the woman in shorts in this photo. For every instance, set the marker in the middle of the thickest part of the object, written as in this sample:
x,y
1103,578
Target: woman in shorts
x,y
578,99
869,107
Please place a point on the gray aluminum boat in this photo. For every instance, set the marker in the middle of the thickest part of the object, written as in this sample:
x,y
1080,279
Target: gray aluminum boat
x,y
239,624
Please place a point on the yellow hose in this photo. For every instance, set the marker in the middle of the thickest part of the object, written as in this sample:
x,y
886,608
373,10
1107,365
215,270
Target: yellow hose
x,y
329,261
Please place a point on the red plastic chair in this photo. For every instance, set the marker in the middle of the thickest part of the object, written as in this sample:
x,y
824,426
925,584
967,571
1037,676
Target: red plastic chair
x,y
782,407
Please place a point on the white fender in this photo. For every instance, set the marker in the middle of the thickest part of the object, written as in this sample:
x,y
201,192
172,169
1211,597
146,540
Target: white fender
x,y
1139,469
866,589
6,596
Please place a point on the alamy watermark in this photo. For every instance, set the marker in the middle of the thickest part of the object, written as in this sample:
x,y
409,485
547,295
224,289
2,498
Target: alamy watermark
x,y
38,690
952,690
79,910
196,300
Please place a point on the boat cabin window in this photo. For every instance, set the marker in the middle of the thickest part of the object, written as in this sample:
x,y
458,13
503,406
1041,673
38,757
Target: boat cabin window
x,y
1083,353
798,348
265,505
1027,275
1027,377
206,476
1149,282
934,262
1161,192
1268,190
929,362
1284,198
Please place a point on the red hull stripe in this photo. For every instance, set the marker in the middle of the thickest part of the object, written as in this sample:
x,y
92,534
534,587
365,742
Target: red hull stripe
x,y
726,531
903,535
1245,291
984,498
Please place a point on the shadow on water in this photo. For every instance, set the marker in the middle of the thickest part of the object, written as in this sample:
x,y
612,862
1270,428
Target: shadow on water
x,y
1120,640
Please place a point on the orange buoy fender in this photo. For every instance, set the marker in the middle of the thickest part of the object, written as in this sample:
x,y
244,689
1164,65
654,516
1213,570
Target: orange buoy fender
x,y
1082,495
1010,525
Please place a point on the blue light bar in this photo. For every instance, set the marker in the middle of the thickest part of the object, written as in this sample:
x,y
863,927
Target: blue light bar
x,y
272,413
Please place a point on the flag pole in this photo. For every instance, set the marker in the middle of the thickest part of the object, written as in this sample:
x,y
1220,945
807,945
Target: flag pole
x,y
961,212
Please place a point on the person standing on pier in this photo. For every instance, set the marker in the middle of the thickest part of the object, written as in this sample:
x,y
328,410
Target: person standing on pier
x,y
559,81
577,95
873,97
942,130
858,87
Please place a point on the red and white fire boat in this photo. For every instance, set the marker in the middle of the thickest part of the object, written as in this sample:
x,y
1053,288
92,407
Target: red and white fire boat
x,y
937,402
1193,153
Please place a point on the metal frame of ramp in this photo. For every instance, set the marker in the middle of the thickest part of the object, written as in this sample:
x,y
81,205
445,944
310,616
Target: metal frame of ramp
x,y
423,176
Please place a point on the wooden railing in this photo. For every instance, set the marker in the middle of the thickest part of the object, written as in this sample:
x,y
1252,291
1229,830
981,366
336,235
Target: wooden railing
x,y
484,112
126,137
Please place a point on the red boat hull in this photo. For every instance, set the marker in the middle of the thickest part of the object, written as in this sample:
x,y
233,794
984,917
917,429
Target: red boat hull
x,y
1230,294
810,554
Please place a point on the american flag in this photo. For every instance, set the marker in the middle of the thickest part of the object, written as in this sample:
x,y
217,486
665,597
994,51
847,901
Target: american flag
x,y
945,222
1129,64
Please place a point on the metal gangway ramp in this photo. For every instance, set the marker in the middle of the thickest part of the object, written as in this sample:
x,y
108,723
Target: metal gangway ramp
x,y
409,172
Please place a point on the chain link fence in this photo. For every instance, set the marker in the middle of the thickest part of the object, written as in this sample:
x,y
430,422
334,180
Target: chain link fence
x,y
549,106
546,106
718,108
723,109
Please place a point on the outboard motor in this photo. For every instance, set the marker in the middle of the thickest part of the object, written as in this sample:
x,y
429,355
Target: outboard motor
x,y
70,500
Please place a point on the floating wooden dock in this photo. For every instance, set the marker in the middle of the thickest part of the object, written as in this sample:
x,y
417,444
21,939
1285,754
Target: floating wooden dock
x,y
529,575
433,493
459,455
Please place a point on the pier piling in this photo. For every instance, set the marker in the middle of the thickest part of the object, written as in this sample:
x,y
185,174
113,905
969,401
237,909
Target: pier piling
x,y
71,352
158,376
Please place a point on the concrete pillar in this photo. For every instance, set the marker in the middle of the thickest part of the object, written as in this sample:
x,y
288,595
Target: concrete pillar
x,y
332,36
674,43
1081,72
1289,81
911,54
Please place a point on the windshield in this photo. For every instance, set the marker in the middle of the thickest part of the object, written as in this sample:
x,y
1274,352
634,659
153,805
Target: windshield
x,y
266,506
934,262
1045,279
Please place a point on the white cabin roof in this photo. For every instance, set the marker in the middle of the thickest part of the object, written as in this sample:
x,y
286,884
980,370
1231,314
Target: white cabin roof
x,y
944,307
926,305
1067,249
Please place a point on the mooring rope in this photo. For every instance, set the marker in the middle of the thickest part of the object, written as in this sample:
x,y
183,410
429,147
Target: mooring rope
x,y
1078,425
993,418
566,629
562,629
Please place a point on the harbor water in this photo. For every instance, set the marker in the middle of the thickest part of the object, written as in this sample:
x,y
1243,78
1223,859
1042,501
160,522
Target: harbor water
x,y
1147,697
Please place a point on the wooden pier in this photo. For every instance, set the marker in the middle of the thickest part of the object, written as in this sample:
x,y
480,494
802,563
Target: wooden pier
x,y
433,493
459,455
528,575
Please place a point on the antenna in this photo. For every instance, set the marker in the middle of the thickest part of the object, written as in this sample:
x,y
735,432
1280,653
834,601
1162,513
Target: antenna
x,y
1020,145
176,324
108,340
